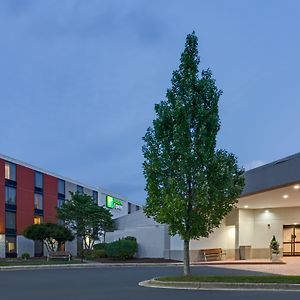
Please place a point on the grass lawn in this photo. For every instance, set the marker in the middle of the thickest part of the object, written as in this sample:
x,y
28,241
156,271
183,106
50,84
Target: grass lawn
x,y
236,279
37,261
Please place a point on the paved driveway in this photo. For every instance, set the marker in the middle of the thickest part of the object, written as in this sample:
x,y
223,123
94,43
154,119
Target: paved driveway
x,y
114,283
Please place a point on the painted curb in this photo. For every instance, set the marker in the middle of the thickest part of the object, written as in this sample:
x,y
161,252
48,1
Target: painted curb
x,y
153,283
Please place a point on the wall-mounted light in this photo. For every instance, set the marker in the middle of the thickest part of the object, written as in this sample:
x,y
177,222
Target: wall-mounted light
x,y
269,226
246,206
297,187
266,211
285,196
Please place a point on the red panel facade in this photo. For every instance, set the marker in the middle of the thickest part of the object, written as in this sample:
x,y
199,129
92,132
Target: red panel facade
x,y
25,198
50,198
2,196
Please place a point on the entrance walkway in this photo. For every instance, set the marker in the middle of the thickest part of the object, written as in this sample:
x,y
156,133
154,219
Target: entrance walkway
x,y
291,266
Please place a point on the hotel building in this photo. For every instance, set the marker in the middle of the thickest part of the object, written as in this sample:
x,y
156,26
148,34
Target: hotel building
x,y
30,195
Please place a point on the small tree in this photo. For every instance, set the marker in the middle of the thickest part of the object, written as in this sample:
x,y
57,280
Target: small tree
x,y
274,246
52,235
191,186
85,218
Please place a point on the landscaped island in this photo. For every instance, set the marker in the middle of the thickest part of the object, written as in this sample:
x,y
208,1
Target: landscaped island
x,y
233,279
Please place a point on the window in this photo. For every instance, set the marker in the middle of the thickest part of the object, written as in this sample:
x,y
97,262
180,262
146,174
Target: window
x,y
61,187
37,220
129,208
137,208
95,197
10,171
10,244
38,180
38,201
80,189
10,195
10,220
60,202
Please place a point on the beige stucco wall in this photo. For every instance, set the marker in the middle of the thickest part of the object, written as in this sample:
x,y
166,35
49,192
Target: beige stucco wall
x,y
222,237
256,227
244,227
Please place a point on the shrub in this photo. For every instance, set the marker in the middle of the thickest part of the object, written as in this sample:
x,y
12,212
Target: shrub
x,y
274,245
122,249
100,246
94,254
130,238
25,256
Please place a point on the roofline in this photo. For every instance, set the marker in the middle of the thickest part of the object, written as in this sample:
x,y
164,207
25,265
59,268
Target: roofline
x,y
99,189
18,162
275,162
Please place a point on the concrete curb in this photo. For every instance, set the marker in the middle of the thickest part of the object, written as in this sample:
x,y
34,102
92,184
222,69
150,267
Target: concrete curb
x,y
221,286
87,266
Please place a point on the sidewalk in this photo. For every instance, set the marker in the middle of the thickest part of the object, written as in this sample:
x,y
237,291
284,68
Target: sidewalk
x,y
240,262
291,266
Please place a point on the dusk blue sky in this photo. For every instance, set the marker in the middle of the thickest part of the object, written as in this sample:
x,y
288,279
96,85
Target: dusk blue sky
x,y
79,80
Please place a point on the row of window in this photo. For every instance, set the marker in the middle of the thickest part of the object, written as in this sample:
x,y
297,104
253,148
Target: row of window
x,y
10,191
10,198
10,221
11,174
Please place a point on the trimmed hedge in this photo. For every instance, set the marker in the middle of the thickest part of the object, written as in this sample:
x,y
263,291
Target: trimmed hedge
x,y
100,246
122,249
130,238
94,254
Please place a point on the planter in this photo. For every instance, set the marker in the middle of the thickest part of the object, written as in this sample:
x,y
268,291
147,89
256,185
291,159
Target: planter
x,y
275,257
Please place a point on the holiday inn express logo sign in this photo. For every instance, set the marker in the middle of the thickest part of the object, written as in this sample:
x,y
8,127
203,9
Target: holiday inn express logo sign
x,y
113,203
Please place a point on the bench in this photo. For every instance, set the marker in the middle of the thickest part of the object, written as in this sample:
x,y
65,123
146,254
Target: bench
x,y
58,254
212,254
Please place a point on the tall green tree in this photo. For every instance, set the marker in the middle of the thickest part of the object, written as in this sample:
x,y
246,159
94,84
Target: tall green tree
x,y
190,184
85,218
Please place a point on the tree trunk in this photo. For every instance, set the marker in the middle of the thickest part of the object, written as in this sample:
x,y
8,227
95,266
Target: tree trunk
x,y
186,258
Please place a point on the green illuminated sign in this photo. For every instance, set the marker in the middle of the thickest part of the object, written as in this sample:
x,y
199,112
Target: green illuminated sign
x,y
113,203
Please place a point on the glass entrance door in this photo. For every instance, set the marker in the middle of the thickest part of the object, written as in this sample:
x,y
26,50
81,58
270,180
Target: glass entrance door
x,y
291,240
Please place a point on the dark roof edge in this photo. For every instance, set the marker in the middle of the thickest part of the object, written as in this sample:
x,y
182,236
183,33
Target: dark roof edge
x,y
276,162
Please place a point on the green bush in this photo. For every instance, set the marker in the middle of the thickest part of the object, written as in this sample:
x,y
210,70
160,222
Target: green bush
x,y
130,238
122,249
25,256
100,246
94,254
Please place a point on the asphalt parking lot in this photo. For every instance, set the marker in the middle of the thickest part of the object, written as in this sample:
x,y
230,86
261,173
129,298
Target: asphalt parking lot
x,y
115,283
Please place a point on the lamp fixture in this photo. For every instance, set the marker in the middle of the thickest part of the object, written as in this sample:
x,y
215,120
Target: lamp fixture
x,y
297,187
285,196
246,206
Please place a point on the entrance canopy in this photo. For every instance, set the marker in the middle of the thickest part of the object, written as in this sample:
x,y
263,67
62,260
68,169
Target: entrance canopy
x,y
273,185
288,196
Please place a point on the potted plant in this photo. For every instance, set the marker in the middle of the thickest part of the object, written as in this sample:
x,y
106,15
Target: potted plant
x,y
274,248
